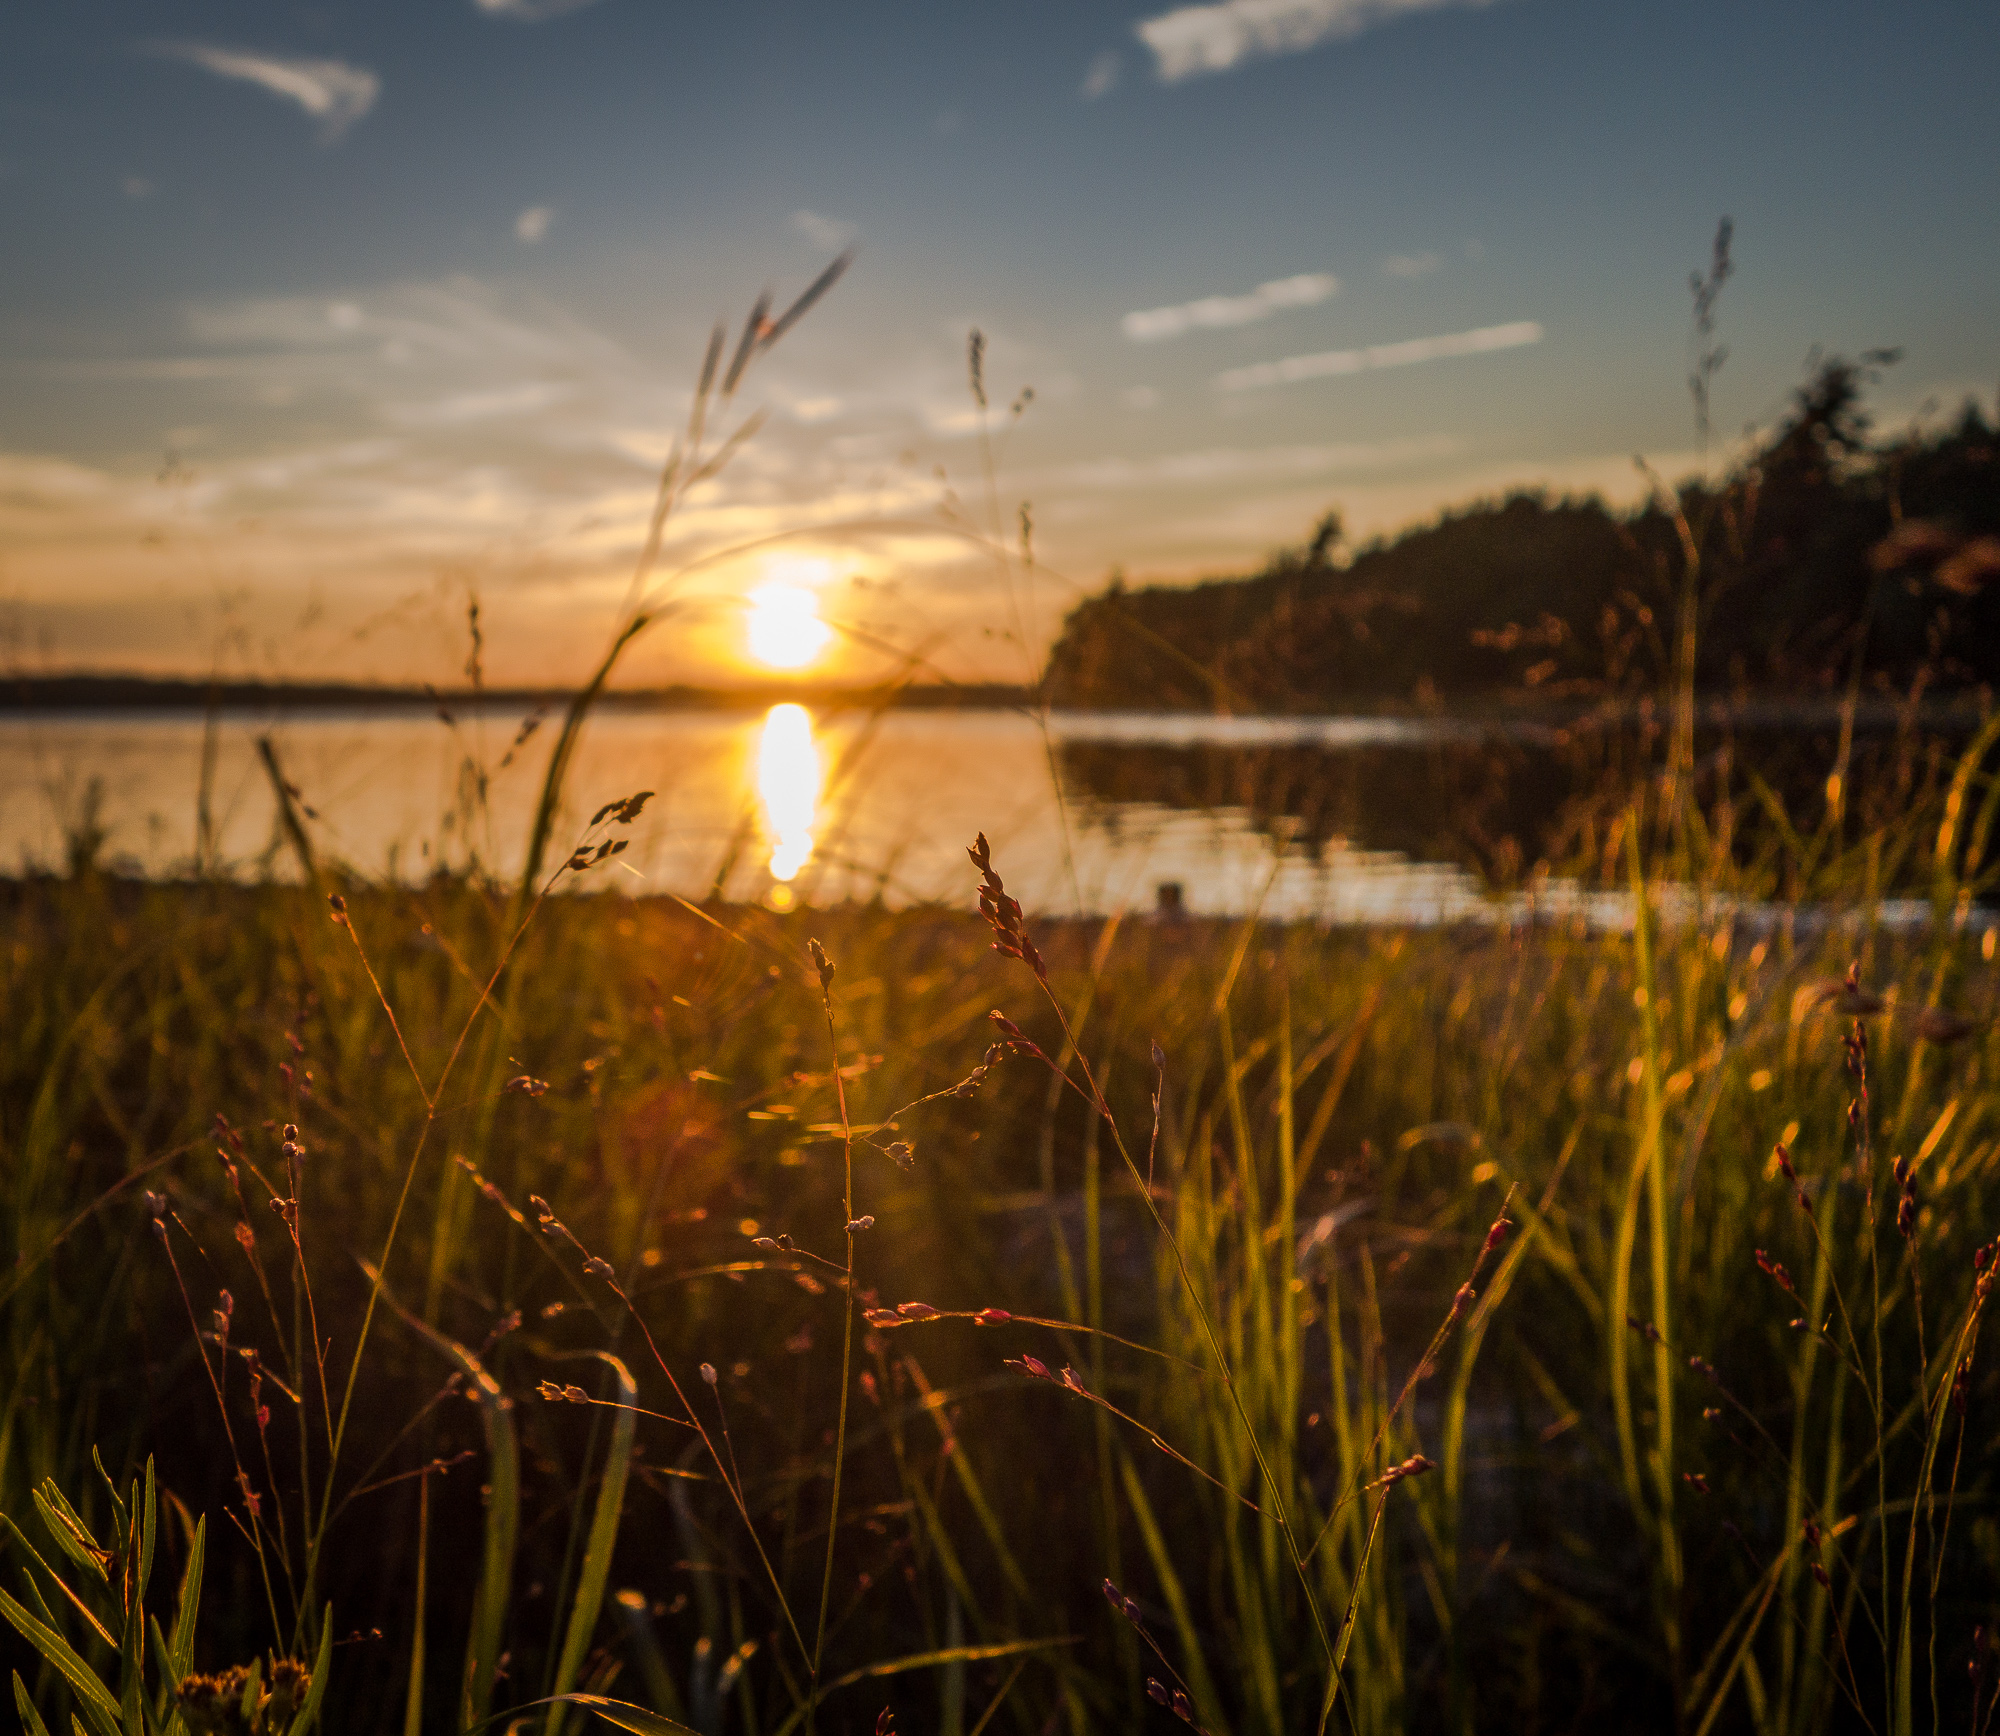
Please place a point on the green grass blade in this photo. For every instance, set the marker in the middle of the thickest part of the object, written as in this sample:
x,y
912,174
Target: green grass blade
x,y
31,1720
413,1705
181,1646
72,1536
96,1698
503,1510
905,1665
1193,1665
316,1691
619,1712
595,1571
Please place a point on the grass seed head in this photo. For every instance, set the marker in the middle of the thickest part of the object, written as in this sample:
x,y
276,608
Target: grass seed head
x,y
1775,1271
1416,1465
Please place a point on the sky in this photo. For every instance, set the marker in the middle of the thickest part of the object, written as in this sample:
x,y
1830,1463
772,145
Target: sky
x,y
320,322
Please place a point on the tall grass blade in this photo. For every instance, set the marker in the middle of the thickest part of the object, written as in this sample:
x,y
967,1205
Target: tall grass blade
x,y
595,1571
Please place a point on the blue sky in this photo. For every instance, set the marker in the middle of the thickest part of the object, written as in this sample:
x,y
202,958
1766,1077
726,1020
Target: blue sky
x,y
313,318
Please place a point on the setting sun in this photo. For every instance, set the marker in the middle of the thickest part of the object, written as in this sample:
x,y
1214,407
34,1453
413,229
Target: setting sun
x,y
785,630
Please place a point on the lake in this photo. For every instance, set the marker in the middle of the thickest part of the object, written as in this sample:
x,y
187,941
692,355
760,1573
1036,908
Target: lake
x,y
1336,819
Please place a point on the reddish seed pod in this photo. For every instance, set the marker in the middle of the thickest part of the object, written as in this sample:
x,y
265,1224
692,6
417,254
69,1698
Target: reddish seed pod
x,y
1183,1707
1113,1596
1775,1271
1035,1366
992,1317
883,1317
916,1311
1784,1158
1155,1692
1825,1579
1496,1235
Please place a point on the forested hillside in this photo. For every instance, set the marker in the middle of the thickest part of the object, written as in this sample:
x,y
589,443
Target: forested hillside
x,y
1824,555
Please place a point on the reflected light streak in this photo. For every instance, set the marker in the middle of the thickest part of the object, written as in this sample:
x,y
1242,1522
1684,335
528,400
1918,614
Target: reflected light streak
x,y
788,774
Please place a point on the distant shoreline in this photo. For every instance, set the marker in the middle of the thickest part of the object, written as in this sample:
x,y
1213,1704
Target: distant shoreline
x,y
38,695
56,693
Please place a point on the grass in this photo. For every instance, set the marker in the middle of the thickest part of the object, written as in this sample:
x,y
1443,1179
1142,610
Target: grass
x,y
1205,1383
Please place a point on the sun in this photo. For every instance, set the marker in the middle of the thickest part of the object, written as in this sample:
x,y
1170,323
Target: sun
x,y
785,630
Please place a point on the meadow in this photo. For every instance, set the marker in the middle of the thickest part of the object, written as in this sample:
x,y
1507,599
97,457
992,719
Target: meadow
x,y
1527,1328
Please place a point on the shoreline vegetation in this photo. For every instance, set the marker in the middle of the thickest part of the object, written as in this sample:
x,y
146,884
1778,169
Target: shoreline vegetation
x,y
118,693
1466,1258
1824,563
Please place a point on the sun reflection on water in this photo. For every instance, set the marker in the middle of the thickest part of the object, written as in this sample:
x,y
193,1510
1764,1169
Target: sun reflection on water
x,y
788,774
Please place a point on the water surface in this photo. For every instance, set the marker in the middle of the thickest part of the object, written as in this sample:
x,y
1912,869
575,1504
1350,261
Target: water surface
x,y
1339,819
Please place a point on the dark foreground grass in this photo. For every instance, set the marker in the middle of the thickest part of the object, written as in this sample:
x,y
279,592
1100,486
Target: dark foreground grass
x,y
1704,1444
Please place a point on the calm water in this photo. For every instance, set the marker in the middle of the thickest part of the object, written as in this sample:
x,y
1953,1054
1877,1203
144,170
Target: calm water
x,y
1340,819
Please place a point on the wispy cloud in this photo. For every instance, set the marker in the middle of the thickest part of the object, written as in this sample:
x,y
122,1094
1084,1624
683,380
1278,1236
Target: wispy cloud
x,y
1410,265
1267,465
827,232
1195,39
1330,363
1151,324
331,91
531,11
533,223
1102,78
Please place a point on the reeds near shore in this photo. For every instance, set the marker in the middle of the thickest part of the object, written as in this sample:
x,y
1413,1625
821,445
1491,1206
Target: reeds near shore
x,y
1668,1489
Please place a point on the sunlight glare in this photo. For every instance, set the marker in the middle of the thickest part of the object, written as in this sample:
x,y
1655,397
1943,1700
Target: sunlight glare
x,y
784,625
788,782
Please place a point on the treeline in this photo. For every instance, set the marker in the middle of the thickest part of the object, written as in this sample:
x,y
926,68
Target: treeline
x,y
1825,557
